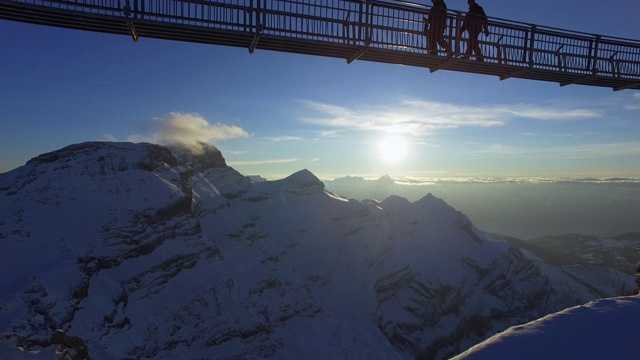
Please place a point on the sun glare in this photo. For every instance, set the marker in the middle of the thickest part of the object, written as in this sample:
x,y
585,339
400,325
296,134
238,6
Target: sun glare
x,y
392,148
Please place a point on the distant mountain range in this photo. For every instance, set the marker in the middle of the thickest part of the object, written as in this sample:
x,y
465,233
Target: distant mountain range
x,y
620,251
121,251
521,208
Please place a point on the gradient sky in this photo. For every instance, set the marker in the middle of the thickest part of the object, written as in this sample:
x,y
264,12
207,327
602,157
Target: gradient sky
x,y
273,114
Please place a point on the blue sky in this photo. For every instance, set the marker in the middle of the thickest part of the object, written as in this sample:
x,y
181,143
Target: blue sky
x,y
273,113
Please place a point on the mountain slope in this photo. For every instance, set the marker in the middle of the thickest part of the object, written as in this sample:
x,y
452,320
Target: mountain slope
x,y
601,329
120,250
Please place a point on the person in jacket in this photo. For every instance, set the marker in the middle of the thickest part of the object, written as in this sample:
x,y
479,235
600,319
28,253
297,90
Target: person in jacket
x,y
435,25
475,22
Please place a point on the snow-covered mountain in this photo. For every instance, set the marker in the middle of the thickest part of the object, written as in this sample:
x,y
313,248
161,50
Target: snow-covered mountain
x,y
601,329
119,250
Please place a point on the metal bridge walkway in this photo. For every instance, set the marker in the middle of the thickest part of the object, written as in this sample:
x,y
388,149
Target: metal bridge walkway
x,y
385,31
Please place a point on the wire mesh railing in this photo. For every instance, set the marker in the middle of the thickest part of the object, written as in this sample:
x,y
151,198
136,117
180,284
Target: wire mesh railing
x,y
374,24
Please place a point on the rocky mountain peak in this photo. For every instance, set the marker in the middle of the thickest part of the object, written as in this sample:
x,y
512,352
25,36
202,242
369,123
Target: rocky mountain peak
x,y
304,179
123,155
206,157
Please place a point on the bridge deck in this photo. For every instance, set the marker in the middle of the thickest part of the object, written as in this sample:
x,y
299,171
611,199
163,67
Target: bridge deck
x,y
383,31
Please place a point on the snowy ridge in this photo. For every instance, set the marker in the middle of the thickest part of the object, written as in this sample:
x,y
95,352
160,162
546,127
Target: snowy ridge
x,y
120,250
601,329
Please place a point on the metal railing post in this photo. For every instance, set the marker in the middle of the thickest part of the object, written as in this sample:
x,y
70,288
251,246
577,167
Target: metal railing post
x,y
499,51
365,26
361,15
258,26
615,64
369,25
347,37
458,26
532,42
251,16
562,66
594,68
127,11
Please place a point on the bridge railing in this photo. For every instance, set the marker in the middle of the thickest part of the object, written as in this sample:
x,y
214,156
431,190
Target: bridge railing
x,y
220,14
324,20
381,24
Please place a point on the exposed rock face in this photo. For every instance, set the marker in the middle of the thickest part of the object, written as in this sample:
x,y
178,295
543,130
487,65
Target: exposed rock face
x,y
137,251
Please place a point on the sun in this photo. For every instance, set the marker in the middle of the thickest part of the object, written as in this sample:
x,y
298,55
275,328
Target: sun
x,y
392,148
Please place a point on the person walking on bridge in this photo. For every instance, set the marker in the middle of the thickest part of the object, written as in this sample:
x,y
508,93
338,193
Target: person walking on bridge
x,y
474,22
435,25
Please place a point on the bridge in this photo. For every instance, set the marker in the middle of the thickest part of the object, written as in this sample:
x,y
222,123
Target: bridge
x,y
384,31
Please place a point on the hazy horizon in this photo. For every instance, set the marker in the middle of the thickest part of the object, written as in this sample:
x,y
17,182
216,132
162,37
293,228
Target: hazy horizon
x,y
524,209
516,206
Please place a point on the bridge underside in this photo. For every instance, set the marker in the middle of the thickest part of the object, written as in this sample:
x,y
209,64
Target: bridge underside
x,y
141,28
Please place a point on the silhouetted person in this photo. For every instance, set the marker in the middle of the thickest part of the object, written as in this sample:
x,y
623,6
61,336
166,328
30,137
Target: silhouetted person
x,y
474,22
435,25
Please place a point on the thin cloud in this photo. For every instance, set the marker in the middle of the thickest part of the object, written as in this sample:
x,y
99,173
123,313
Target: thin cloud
x,y
109,137
636,105
261,162
600,150
330,133
190,131
584,151
235,152
284,138
547,113
139,138
409,117
420,117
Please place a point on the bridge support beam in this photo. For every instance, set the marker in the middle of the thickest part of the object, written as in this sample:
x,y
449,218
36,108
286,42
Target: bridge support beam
x,y
630,86
357,55
132,28
443,64
256,39
576,80
515,73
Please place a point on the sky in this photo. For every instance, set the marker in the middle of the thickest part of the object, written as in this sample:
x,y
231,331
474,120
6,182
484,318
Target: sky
x,y
272,114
